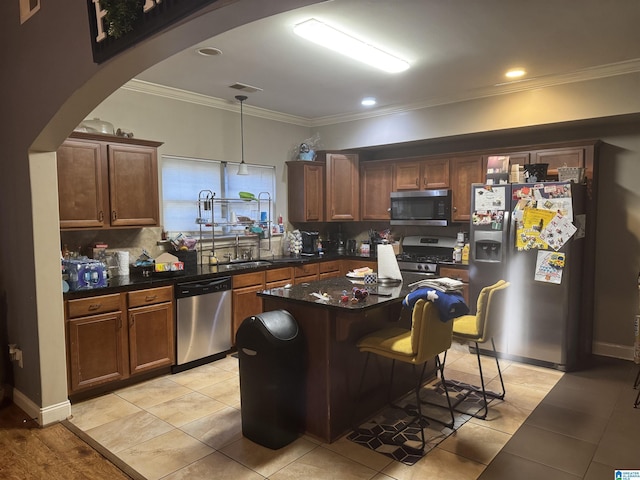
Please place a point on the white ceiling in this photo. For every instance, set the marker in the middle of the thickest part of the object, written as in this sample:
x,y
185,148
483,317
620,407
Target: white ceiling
x,y
458,49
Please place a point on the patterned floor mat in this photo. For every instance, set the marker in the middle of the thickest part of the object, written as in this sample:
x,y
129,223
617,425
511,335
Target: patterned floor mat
x,y
395,433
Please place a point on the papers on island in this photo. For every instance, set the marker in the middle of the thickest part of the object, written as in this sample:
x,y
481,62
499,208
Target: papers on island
x,y
442,284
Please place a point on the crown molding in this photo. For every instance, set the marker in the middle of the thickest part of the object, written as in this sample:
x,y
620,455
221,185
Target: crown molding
x,y
172,93
593,73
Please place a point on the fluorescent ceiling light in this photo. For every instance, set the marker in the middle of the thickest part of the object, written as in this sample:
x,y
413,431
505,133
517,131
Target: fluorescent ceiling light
x,y
329,37
515,73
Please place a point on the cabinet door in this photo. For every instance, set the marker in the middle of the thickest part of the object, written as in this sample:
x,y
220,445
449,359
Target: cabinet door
x,y
245,303
151,337
305,186
464,171
97,350
407,176
560,157
435,173
376,183
342,187
133,182
82,185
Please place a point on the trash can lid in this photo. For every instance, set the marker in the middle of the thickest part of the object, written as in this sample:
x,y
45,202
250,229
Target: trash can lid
x,y
279,323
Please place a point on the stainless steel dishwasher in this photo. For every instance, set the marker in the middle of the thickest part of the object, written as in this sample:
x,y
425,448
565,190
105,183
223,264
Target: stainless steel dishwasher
x,y
203,322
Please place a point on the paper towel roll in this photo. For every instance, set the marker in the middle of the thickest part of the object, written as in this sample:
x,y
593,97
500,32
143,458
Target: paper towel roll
x,y
123,263
387,263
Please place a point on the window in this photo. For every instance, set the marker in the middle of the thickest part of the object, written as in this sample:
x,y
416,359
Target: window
x,y
184,178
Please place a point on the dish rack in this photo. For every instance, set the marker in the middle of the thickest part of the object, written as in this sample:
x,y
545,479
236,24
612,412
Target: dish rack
x,y
573,174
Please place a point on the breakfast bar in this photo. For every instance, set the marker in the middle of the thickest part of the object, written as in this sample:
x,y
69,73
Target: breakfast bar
x,y
332,320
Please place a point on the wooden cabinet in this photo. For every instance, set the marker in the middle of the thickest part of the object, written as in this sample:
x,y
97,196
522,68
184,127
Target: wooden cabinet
x,y
106,181
307,272
305,183
376,184
421,174
458,273
559,157
342,187
278,277
465,170
151,329
330,269
113,337
244,299
96,341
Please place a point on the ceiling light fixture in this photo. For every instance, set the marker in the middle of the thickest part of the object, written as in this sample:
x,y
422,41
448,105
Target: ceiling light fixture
x,y
368,101
209,51
515,73
329,37
242,168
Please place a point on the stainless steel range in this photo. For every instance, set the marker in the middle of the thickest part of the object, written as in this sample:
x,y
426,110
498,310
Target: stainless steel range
x,y
423,254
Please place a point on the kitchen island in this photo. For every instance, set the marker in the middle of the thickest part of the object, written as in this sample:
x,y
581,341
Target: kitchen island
x,y
331,329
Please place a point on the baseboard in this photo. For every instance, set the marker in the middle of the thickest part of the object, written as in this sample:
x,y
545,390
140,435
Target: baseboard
x,y
624,352
45,415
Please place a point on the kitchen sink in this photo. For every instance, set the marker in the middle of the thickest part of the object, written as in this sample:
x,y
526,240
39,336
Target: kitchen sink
x,y
228,267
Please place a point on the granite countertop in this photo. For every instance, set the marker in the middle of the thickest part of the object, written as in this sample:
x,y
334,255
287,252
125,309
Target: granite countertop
x,y
334,288
137,281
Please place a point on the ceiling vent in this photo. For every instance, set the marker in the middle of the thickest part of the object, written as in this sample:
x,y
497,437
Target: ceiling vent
x,y
245,88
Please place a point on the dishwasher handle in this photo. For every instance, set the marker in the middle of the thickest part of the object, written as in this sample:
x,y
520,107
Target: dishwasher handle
x,y
192,289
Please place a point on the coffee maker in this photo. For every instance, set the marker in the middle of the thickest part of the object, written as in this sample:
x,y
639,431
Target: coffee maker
x,y
310,243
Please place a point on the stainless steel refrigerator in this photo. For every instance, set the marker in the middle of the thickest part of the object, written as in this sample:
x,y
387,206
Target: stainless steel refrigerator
x,y
542,319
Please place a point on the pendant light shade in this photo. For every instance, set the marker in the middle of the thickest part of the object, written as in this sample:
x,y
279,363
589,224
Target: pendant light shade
x,y
242,168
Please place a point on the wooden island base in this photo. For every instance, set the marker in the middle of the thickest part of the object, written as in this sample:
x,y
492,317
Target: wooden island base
x,y
334,364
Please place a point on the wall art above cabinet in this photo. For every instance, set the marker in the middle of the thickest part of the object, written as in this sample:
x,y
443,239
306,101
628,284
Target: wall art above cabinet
x,y
107,182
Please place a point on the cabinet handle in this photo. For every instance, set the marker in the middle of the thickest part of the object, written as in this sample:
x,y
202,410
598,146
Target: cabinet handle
x,y
149,298
119,322
114,215
100,216
132,319
425,181
94,306
417,182
455,209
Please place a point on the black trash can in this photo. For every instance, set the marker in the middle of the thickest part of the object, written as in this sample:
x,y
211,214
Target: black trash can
x,y
271,354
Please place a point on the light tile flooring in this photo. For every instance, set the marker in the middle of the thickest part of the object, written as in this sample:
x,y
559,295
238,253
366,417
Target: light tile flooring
x,y
188,426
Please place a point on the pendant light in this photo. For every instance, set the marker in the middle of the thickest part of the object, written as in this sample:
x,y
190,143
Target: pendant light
x,y
242,168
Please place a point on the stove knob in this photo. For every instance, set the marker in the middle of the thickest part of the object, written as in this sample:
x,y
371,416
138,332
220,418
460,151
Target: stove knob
x,y
419,267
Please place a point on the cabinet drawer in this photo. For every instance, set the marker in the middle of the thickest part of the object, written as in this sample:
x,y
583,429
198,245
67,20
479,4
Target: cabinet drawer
x,y
332,266
150,296
279,274
248,279
93,305
461,274
306,270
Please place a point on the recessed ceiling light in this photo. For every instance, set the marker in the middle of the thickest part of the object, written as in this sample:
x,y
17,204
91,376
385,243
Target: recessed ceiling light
x,y
368,101
209,51
329,37
515,73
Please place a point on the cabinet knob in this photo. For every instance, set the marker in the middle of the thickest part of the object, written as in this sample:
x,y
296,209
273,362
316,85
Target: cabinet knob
x,y
455,209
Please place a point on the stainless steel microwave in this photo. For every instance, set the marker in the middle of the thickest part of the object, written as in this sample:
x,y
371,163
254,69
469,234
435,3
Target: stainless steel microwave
x,y
423,207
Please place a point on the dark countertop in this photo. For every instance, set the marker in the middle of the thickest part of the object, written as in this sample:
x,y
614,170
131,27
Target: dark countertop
x,y
334,288
135,281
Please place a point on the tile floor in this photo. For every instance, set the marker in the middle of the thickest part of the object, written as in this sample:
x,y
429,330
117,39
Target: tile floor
x,y
188,425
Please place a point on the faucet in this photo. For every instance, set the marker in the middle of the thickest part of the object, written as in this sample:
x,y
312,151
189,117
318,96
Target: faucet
x,y
237,245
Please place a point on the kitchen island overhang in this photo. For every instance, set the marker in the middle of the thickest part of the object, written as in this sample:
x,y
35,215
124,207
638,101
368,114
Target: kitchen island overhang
x,y
331,327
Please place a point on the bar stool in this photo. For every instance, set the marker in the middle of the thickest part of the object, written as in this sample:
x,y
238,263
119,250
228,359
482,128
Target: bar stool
x,y
428,337
480,328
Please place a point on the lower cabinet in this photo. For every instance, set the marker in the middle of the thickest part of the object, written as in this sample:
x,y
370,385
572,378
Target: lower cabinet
x,y
330,269
308,272
114,337
244,299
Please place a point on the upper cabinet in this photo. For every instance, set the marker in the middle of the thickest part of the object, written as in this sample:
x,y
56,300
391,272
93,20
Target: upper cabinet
x,y
465,170
421,174
376,184
106,181
305,182
559,157
342,187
